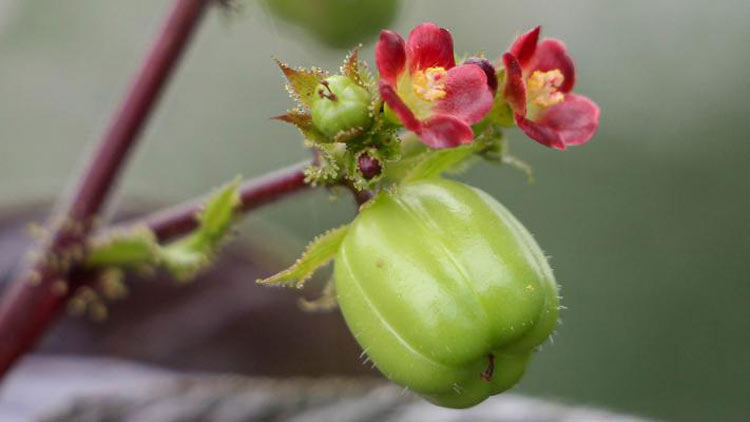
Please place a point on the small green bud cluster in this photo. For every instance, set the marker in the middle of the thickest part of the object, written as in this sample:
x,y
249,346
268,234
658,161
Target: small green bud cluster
x,y
340,117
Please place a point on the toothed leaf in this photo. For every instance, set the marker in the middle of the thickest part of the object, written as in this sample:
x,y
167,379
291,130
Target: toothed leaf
x,y
318,253
185,257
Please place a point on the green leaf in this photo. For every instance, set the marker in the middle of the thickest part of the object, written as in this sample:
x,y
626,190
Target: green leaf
x,y
302,82
129,248
318,253
217,216
185,257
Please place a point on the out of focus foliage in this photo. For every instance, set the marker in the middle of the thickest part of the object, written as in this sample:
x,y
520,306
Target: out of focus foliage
x,y
337,23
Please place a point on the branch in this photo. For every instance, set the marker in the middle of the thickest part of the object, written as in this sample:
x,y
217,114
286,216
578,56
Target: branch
x,y
35,298
177,221
360,196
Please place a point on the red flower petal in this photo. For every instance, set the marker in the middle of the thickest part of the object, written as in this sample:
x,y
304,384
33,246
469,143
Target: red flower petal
x,y
525,46
467,95
515,85
446,131
390,55
403,112
551,54
429,46
572,122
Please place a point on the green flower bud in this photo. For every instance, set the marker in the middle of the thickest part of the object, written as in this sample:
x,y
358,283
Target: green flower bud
x,y
445,291
340,106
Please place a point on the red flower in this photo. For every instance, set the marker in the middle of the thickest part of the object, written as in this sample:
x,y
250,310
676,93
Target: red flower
x,y
428,93
539,78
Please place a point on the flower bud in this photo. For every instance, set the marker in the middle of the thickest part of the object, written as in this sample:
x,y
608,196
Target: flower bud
x,y
369,166
488,69
445,291
341,105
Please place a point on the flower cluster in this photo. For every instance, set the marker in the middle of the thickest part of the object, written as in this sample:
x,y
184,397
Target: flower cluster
x,y
355,118
439,100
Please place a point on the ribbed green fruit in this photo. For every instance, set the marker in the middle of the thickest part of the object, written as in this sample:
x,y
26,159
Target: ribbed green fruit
x,y
445,291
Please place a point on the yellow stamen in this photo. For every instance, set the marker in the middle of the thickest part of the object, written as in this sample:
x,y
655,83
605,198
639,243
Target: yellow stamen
x,y
429,84
542,88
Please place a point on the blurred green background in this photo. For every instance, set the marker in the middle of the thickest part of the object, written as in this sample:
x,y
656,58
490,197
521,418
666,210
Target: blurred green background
x,y
647,225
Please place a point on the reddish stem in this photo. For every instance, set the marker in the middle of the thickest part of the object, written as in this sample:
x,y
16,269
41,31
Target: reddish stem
x,y
361,196
180,220
35,298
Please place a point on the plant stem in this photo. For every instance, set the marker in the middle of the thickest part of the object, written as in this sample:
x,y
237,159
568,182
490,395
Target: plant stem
x,y
360,196
36,297
180,220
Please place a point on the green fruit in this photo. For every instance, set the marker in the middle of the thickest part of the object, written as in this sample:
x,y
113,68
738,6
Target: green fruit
x,y
445,291
341,105
337,23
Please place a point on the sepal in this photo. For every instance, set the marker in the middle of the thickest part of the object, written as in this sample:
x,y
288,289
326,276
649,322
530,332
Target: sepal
x,y
303,121
351,68
302,82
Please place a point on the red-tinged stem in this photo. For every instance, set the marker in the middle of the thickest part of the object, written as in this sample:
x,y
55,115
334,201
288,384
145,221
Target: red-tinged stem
x,y
360,196
174,222
180,220
35,298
